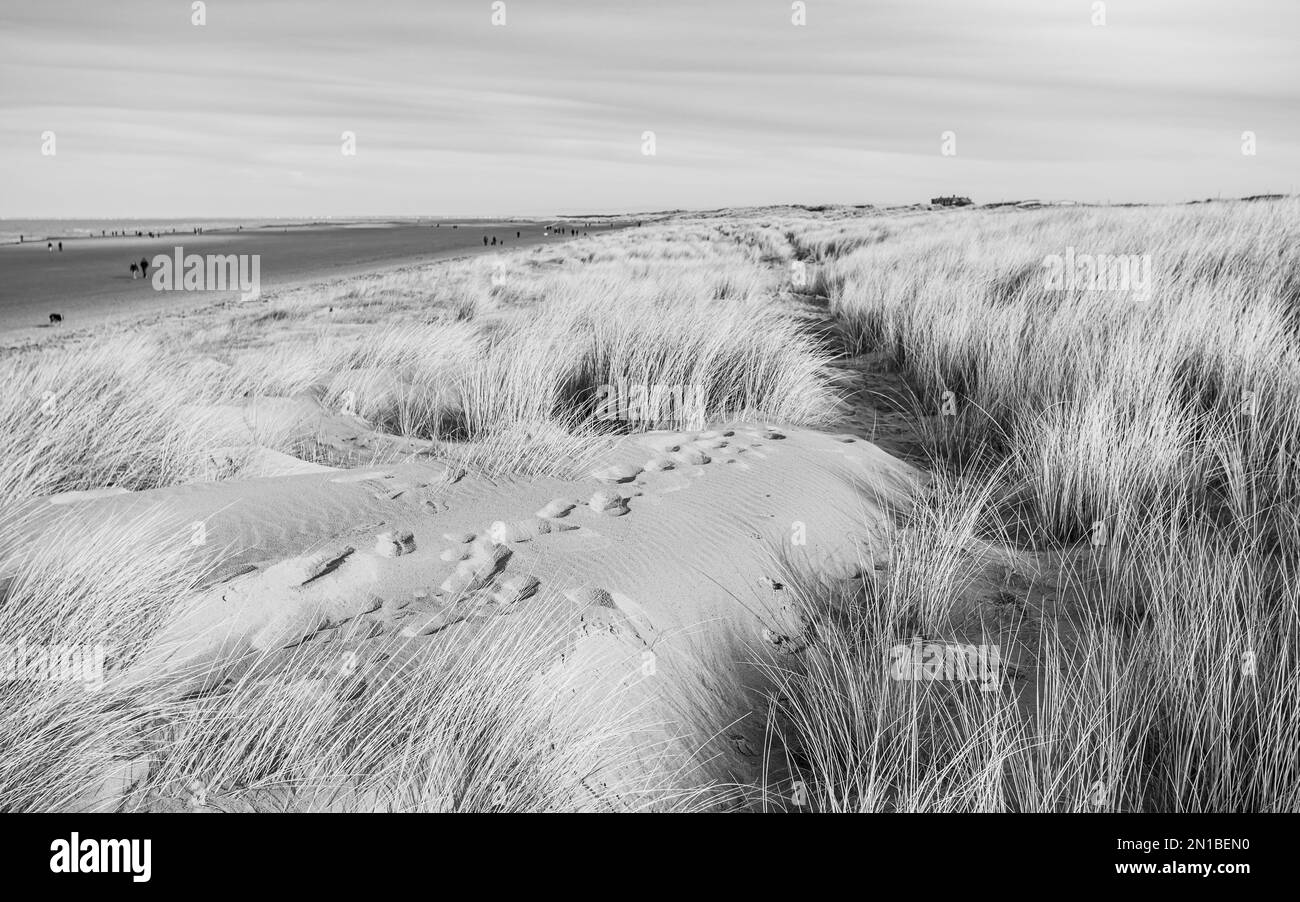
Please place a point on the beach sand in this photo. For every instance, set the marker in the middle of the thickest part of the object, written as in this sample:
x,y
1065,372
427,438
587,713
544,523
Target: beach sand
x,y
89,282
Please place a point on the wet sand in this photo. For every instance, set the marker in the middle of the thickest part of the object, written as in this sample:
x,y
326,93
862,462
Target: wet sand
x,y
90,282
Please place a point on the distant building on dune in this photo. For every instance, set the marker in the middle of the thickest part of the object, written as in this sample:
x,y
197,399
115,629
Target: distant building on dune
x,y
952,201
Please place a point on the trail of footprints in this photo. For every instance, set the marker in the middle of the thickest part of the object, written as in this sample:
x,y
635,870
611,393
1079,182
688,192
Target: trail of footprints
x,y
481,585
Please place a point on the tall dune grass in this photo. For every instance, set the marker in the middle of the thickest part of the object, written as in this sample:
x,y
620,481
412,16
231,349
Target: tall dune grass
x,y
1171,685
1140,451
1153,435
1097,395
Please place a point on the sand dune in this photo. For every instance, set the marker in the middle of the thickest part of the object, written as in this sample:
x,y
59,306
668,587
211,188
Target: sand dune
x,y
676,559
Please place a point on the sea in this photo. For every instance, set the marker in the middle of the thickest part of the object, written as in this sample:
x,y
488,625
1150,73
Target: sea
x,y
55,229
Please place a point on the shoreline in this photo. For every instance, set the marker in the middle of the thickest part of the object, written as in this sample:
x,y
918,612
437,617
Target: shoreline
x,y
88,283
205,302
234,226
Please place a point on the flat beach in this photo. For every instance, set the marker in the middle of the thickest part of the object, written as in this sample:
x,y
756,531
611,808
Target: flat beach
x,y
89,282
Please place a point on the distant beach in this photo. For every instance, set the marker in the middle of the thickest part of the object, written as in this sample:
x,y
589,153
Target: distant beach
x,y
42,230
90,281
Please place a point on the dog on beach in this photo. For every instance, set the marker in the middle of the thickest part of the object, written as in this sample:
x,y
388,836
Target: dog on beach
x,y
55,318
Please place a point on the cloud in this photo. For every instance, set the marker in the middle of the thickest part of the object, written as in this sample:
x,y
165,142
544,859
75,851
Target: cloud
x,y
453,114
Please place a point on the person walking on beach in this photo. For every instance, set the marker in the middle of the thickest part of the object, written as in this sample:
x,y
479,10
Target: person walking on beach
x,y
485,241
49,246
135,270
60,247
144,267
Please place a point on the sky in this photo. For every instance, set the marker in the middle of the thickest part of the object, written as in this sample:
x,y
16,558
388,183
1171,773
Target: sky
x,y
153,115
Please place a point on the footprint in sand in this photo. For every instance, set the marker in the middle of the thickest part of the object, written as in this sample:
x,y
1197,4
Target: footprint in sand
x,y
659,464
460,538
393,607
691,456
503,532
598,621
586,596
608,502
429,624
791,629
504,597
476,571
394,544
417,609
602,614
556,508
618,473
515,589
786,643
309,593
506,532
